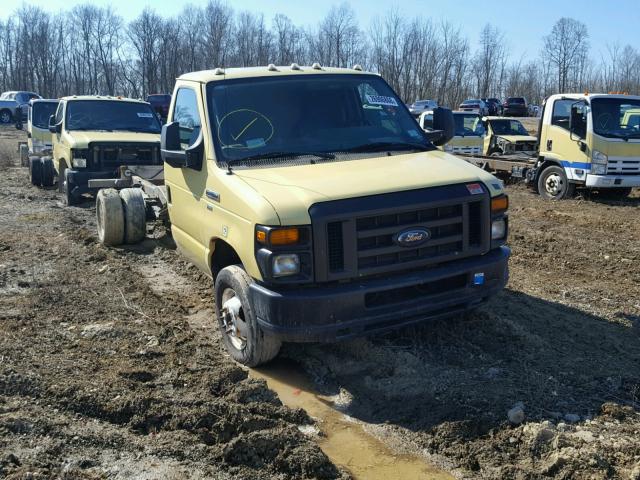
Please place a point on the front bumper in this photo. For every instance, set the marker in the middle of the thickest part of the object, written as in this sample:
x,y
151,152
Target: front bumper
x,y
78,180
613,181
346,310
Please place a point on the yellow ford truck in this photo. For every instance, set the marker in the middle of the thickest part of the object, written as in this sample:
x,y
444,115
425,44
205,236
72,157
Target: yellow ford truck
x,y
588,141
318,227
94,137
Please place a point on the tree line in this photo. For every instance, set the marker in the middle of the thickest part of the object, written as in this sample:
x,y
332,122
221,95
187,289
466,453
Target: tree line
x,y
93,50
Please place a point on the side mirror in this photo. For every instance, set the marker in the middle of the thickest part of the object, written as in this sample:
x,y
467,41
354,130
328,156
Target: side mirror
x,y
53,126
577,125
171,149
444,127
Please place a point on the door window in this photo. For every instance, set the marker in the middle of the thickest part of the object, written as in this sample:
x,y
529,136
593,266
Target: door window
x,y
185,112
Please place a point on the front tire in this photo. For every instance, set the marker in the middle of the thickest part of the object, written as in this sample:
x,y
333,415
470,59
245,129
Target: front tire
x,y
67,189
243,338
554,185
110,217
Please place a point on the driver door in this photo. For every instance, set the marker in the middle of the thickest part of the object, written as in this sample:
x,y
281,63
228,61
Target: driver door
x,y
561,144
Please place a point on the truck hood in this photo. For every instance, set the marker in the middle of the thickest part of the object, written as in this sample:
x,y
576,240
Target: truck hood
x,y
82,139
292,190
518,138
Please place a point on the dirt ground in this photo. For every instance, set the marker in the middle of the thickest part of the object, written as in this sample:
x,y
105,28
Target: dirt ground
x,y
111,367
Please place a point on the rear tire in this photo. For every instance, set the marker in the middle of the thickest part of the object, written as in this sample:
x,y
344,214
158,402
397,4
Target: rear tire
x,y
110,217
35,171
48,172
243,338
135,215
554,185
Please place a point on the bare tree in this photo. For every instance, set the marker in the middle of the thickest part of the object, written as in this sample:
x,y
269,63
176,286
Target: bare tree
x,y
567,48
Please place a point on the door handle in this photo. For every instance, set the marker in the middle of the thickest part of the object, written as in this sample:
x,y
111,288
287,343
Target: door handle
x,y
549,145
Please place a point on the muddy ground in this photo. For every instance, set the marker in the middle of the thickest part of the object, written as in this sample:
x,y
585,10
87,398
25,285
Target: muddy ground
x,y
111,367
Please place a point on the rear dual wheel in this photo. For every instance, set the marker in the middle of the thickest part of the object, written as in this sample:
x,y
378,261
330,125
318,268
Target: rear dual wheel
x,y
121,216
41,171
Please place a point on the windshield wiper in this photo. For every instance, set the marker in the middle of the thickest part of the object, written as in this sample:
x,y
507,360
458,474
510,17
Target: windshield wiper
x,y
267,155
383,146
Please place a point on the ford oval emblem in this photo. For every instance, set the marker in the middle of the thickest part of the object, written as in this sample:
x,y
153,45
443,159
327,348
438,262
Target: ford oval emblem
x,y
413,237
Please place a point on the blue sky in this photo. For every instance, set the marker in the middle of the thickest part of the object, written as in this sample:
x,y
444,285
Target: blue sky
x,y
524,23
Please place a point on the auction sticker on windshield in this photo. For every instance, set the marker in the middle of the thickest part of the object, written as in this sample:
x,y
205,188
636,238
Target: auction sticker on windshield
x,y
145,115
382,100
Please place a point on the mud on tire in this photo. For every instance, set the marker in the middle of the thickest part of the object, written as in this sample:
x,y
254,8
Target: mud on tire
x,y
135,215
48,172
250,345
110,217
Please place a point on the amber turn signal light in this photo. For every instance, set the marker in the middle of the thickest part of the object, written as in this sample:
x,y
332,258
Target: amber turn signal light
x,y
499,204
284,236
261,236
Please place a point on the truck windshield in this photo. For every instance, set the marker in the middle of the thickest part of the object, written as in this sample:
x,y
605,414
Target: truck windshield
x,y
616,117
40,113
111,116
314,114
508,127
468,125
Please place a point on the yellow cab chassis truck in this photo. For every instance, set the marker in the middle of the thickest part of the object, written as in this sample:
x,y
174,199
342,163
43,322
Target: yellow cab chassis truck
x,y
324,226
584,140
96,138
38,142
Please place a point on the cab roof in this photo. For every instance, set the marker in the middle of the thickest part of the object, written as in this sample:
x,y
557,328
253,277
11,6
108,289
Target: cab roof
x,y
205,76
43,100
590,96
107,98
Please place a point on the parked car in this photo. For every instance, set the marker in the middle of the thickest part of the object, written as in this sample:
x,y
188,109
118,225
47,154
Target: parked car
x,y
474,105
515,107
160,103
15,104
494,106
420,106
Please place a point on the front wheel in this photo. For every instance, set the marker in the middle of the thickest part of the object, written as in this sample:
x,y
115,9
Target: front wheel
x,y
35,171
5,116
243,338
554,185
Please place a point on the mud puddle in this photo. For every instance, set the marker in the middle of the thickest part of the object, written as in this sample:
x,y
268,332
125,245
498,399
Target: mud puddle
x,y
343,440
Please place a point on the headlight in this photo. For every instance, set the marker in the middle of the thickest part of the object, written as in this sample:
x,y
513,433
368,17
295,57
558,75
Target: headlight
x,y
79,162
598,169
79,158
598,158
448,148
285,264
498,229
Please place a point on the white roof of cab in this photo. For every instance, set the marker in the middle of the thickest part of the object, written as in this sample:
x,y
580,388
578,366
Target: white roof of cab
x,y
205,76
101,98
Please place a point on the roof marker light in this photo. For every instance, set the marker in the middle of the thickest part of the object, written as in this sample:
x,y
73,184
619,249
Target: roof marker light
x,y
295,66
357,67
218,71
272,68
316,66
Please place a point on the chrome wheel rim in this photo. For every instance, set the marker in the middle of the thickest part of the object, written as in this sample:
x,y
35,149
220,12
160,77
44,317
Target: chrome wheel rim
x,y
232,319
554,184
